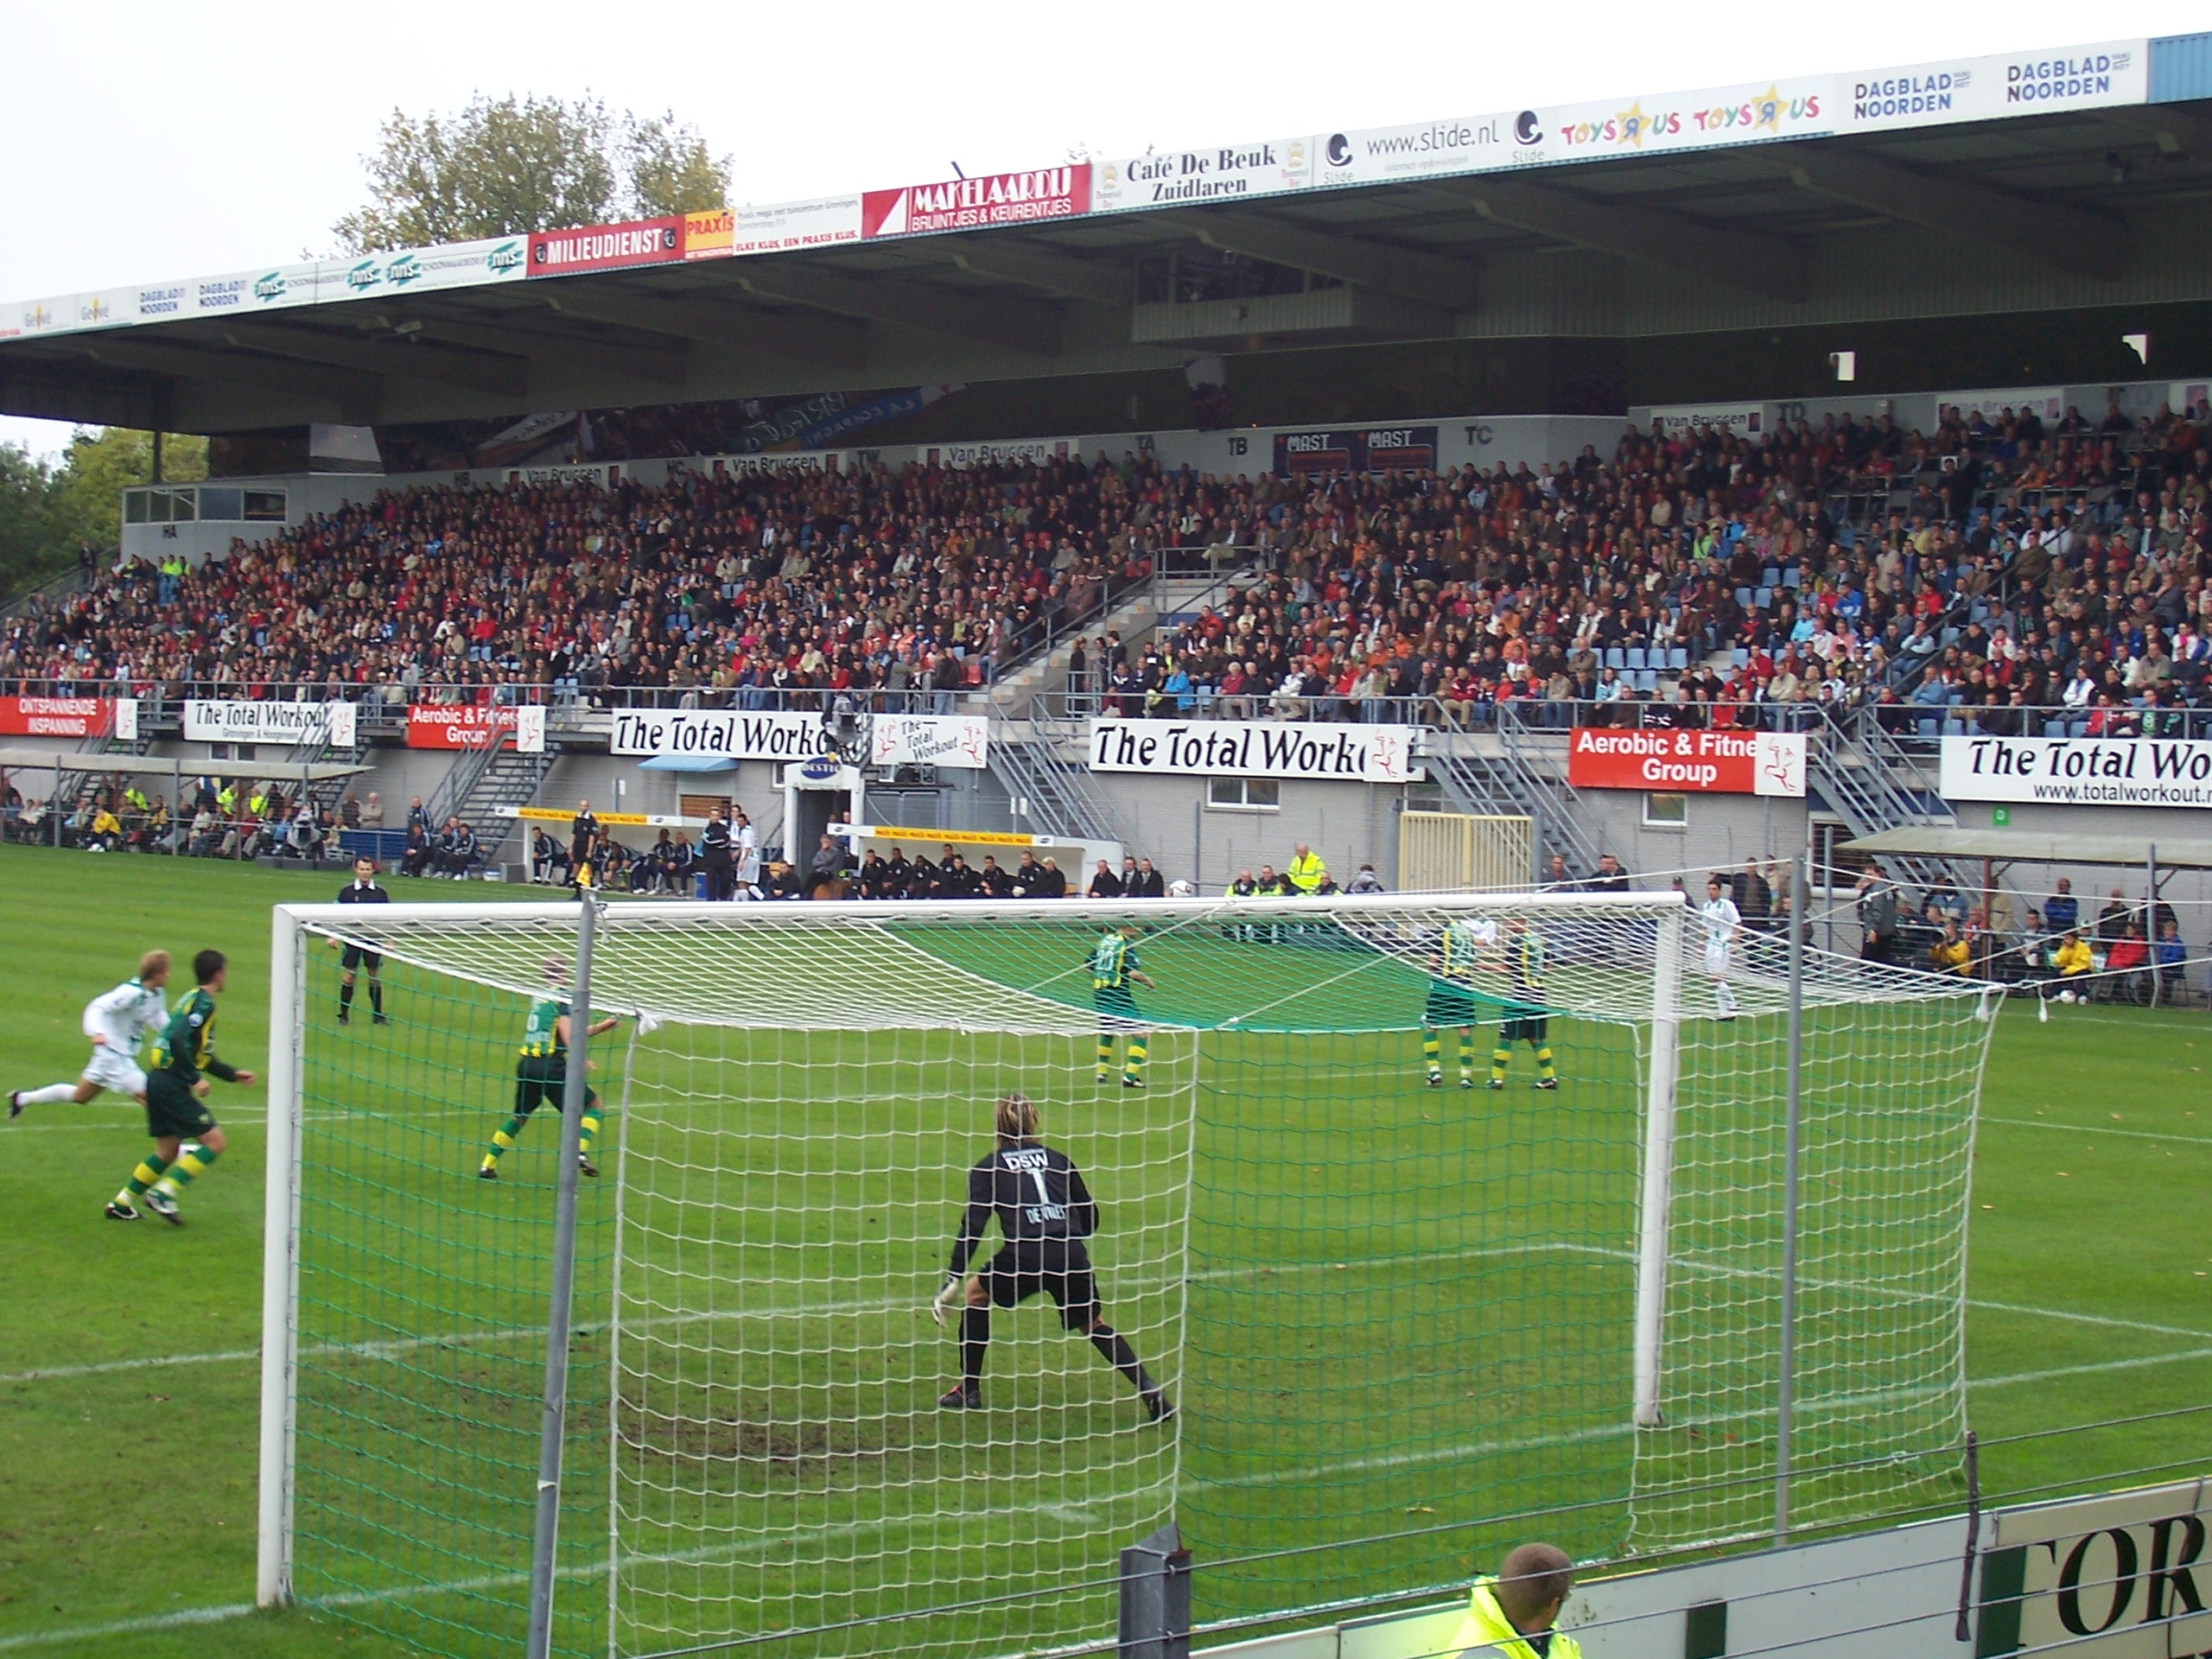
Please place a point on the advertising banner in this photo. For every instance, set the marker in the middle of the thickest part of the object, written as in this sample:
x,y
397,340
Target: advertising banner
x,y
1650,123
69,717
958,741
1254,748
1745,420
1018,452
1358,449
1683,762
2047,402
714,734
606,247
711,235
1375,155
822,223
1169,179
895,740
2120,1576
474,726
290,723
971,203
1982,89
2078,771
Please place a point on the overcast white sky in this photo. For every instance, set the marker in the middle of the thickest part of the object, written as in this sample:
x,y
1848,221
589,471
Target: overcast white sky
x,y
152,141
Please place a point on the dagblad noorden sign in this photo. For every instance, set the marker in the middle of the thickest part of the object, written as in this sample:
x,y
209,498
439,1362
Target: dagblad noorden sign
x,y
1254,748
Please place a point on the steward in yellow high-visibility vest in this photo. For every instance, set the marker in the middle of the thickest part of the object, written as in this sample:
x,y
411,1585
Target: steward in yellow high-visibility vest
x,y
1511,1617
1306,872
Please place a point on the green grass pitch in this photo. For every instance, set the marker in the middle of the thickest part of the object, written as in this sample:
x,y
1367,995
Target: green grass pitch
x,y
130,1483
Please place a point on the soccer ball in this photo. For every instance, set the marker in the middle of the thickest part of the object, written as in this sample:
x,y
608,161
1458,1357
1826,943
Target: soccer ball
x,y
2066,996
1181,890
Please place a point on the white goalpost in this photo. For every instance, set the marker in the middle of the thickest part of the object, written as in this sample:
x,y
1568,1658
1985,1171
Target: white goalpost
x,y
1375,1180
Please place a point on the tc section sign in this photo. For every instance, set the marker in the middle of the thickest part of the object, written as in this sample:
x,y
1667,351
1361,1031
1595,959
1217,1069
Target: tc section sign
x,y
1254,748
2079,770
1688,762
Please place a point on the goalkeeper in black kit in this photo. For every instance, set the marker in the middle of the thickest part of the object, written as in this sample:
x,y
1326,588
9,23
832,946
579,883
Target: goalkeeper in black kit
x,y
1044,1212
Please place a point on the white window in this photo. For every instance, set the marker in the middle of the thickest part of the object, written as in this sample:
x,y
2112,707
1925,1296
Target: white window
x,y
1665,812
1244,794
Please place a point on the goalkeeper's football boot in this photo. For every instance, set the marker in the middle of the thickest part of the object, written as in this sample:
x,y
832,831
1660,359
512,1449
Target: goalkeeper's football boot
x,y
487,1171
585,1166
119,1212
1158,1408
961,1397
164,1206
1547,1082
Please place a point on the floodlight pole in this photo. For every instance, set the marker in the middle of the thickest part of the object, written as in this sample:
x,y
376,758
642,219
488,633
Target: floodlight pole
x,y
553,1423
1800,884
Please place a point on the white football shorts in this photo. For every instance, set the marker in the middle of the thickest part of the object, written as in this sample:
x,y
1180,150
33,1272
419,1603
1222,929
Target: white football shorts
x,y
112,1069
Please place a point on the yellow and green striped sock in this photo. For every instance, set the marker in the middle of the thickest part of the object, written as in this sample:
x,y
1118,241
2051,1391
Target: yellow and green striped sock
x,y
590,1125
503,1138
1500,1057
1431,1049
149,1170
1544,1062
1135,1068
1105,1055
193,1160
1466,1053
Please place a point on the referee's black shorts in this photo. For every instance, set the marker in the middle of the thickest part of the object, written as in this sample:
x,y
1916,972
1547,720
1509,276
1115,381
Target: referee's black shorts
x,y
1060,1267
354,956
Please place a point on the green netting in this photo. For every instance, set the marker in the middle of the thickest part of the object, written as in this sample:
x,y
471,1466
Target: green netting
x,y
1399,1320
421,1322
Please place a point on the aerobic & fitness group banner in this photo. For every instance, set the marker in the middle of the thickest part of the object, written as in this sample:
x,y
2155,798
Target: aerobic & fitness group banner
x,y
1688,762
474,726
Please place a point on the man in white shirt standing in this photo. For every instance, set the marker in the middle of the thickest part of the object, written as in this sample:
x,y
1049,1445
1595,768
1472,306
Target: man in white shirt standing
x,y
1724,923
745,853
117,1021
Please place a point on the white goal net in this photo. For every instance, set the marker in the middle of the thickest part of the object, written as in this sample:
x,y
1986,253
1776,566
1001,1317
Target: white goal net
x,y
1348,1228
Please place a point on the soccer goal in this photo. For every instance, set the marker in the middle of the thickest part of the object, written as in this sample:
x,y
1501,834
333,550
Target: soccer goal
x,y
1402,1228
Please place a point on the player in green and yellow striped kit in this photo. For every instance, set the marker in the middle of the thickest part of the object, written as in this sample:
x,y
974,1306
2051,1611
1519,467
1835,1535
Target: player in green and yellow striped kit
x,y
1114,969
542,1074
185,1140
1526,1017
1463,944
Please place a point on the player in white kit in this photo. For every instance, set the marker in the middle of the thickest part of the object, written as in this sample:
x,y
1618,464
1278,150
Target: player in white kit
x,y
1724,923
118,1022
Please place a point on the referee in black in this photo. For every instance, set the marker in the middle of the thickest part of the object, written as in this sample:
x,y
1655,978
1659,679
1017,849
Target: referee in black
x,y
715,853
1044,1212
361,890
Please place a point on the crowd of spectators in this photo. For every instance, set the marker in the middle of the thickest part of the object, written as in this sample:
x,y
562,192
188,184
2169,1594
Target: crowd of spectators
x,y
2129,951
1701,578
1996,573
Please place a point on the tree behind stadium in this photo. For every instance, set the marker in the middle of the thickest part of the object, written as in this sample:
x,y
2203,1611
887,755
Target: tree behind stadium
x,y
500,168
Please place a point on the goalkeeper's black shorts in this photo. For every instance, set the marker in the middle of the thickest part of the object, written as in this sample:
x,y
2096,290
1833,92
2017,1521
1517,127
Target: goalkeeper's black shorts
x,y
1059,1267
540,1078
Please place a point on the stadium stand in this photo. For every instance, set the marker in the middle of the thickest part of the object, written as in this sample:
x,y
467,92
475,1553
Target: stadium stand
x,y
1994,575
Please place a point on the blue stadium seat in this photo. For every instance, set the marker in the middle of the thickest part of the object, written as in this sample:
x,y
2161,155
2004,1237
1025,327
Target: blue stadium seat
x,y
1741,657
1770,577
1615,658
1636,657
1678,657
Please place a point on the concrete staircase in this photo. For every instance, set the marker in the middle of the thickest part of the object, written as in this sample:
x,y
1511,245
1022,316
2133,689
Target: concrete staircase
x,y
1160,602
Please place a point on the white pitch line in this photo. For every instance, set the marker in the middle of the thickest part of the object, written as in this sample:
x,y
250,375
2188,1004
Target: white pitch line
x,y
1399,1460
391,1348
2089,1128
722,1552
